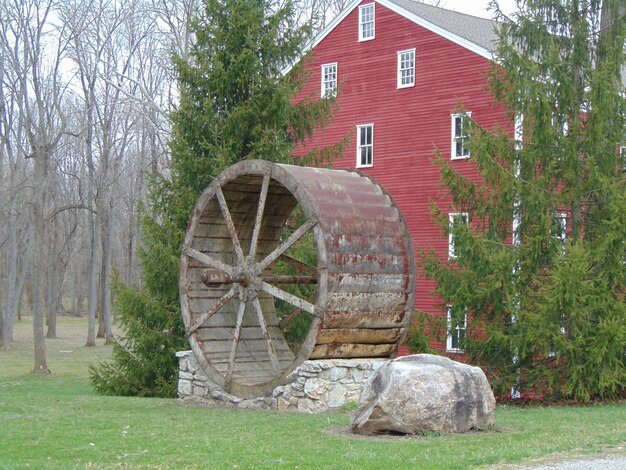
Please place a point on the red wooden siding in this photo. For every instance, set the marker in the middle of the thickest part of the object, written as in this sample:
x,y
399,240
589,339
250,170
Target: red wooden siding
x,y
409,123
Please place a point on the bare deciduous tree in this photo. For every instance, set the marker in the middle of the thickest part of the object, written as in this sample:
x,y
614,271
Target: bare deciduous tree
x,y
35,61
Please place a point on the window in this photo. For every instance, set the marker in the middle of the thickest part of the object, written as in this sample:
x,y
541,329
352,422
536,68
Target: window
x,y
553,349
406,68
457,327
455,218
366,22
329,79
559,123
460,135
560,126
365,145
558,230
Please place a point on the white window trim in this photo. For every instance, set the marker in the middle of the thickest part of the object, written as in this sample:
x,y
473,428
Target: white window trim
x,y
562,218
359,145
552,352
563,131
453,143
449,347
361,8
451,218
323,83
399,72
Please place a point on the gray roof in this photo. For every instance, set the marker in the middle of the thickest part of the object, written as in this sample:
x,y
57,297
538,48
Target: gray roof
x,y
480,31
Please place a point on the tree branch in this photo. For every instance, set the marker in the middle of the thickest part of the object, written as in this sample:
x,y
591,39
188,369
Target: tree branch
x,y
68,207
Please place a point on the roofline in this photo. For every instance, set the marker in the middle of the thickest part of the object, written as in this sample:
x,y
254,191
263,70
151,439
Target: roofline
x,y
455,38
333,24
323,33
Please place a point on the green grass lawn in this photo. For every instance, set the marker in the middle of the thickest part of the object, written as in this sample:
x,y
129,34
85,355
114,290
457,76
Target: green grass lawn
x,y
58,422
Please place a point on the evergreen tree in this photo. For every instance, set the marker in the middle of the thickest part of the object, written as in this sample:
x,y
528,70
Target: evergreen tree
x,y
540,268
235,104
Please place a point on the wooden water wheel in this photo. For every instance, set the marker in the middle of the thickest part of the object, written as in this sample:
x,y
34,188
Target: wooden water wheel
x,y
243,279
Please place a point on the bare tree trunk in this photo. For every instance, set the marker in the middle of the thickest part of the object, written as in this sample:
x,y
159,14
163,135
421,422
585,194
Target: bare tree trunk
x,y
11,213
75,288
107,263
92,282
13,300
3,141
105,220
130,247
53,285
41,364
26,301
104,295
39,265
2,344
11,284
79,291
94,230
21,281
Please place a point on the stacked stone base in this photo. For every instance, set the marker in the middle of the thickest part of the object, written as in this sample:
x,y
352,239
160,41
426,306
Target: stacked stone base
x,y
314,386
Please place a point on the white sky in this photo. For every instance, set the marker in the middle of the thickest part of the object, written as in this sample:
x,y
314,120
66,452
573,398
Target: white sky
x,y
477,7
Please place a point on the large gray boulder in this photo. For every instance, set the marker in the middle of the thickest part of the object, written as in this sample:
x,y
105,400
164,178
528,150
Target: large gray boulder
x,y
421,393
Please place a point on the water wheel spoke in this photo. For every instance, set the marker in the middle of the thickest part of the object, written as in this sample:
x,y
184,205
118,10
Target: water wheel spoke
x,y
229,223
301,266
290,279
268,340
293,238
235,343
209,260
287,319
259,217
212,311
295,313
287,297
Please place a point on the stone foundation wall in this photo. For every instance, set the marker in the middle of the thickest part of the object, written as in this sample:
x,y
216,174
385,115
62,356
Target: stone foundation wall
x,y
314,386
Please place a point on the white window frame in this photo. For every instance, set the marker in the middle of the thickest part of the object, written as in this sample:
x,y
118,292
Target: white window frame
x,y
552,352
360,145
401,69
362,22
451,220
564,128
329,87
561,217
463,138
450,337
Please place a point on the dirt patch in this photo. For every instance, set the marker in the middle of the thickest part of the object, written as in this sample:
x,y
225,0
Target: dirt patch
x,y
347,433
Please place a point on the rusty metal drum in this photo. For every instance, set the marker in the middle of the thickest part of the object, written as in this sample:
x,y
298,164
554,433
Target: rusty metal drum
x,y
269,243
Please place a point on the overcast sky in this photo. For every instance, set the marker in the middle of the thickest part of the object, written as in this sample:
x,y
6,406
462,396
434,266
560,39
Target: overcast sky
x,y
477,7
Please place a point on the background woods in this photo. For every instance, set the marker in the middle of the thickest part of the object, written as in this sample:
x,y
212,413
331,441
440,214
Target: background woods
x,y
86,87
